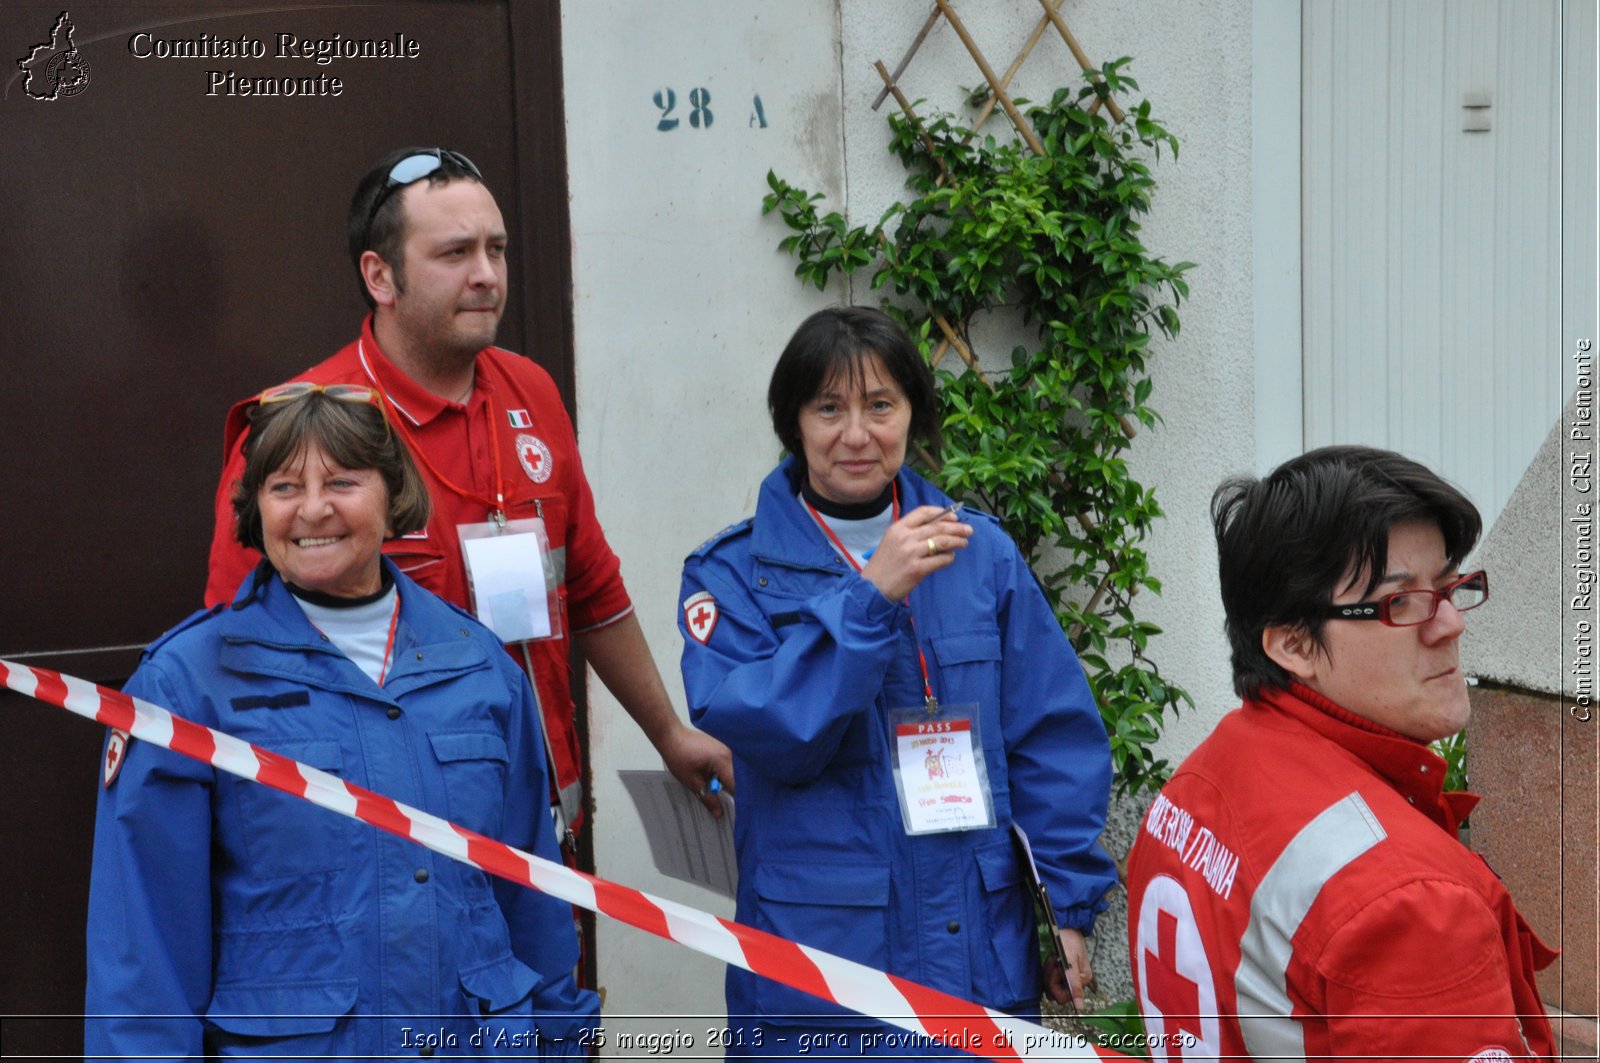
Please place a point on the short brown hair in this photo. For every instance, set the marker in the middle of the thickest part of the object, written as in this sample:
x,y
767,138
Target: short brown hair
x,y
354,434
384,230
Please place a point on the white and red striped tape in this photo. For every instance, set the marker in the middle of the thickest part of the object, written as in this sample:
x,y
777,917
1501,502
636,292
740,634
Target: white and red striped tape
x,y
885,997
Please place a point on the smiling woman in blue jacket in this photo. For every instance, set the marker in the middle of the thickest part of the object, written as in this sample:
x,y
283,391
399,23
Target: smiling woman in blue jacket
x,y
897,694
229,919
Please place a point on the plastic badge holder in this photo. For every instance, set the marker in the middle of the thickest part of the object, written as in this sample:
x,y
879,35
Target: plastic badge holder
x,y
511,578
939,771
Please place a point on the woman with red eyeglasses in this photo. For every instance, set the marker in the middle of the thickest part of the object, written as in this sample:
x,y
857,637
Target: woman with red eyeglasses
x,y
1299,889
229,919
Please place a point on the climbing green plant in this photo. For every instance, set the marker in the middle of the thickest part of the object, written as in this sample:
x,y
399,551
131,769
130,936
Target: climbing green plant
x,y
1045,245
1118,1026
1453,749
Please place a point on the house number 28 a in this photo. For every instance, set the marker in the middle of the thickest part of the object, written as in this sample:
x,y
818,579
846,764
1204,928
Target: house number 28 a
x,y
700,113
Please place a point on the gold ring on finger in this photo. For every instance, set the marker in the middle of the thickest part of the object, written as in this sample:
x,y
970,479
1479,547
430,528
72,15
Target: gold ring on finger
x,y
932,548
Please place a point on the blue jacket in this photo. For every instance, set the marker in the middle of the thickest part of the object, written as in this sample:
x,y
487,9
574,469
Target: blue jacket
x,y
267,926
796,677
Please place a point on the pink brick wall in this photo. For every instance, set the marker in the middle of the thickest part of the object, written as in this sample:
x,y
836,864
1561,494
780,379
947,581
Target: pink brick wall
x,y
1536,767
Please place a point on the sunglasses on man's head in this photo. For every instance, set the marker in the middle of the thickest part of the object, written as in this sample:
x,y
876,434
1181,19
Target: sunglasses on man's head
x,y
414,168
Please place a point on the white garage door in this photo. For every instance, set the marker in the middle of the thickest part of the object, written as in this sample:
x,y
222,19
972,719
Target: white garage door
x,y
1432,232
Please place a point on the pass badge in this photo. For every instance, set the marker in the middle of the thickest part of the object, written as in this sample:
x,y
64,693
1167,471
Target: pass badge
x,y
940,774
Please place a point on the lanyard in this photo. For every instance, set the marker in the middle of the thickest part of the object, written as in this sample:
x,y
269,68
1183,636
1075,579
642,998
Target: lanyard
x,y
922,660
388,642
388,646
497,504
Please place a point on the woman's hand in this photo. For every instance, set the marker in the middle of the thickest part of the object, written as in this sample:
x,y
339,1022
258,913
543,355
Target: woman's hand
x,y
921,542
1069,985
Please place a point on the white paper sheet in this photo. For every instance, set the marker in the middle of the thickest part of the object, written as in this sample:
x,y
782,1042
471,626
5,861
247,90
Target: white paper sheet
x,y
686,841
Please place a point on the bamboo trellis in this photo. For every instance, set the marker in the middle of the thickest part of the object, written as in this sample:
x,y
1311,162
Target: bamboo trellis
x,y
998,96
951,335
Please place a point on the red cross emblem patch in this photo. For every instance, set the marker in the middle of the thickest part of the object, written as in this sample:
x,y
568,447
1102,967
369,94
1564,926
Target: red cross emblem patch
x,y
116,753
535,457
700,616
1173,976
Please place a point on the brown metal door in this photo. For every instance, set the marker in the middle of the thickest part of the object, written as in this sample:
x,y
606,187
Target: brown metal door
x,y
170,245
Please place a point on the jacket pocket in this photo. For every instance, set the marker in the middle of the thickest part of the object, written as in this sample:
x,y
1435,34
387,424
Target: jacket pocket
x,y
970,647
969,667
840,908
474,765
287,836
244,1018
498,1005
1006,972
421,559
499,986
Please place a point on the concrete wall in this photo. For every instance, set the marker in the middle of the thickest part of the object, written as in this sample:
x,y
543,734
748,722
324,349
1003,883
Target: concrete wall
x,y
1540,557
683,303
1533,742
1534,762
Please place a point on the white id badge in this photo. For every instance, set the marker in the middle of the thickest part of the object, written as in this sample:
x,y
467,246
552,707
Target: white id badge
x,y
939,771
511,579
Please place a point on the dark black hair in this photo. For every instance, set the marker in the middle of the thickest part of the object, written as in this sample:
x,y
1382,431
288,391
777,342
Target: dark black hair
x,y
836,341
1287,543
385,231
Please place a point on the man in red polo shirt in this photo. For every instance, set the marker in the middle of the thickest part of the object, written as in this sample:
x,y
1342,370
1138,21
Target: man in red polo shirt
x,y
1298,889
492,438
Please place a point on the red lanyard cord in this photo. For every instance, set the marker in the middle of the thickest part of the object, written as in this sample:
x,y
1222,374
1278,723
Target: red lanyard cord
x,y
497,504
922,660
388,646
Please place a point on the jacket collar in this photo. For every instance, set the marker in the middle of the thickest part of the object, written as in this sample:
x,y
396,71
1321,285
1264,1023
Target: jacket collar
x,y
785,533
416,404
1409,767
266,632
265,612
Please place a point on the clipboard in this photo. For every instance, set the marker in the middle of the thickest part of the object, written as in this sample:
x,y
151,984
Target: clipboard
x,y
686,842
1044,914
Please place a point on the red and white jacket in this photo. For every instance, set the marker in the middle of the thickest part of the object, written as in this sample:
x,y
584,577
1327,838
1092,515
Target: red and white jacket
x,y
1298,891
513,437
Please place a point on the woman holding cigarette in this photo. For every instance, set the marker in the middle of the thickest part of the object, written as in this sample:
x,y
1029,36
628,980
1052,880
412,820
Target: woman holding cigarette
x,y
897,694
